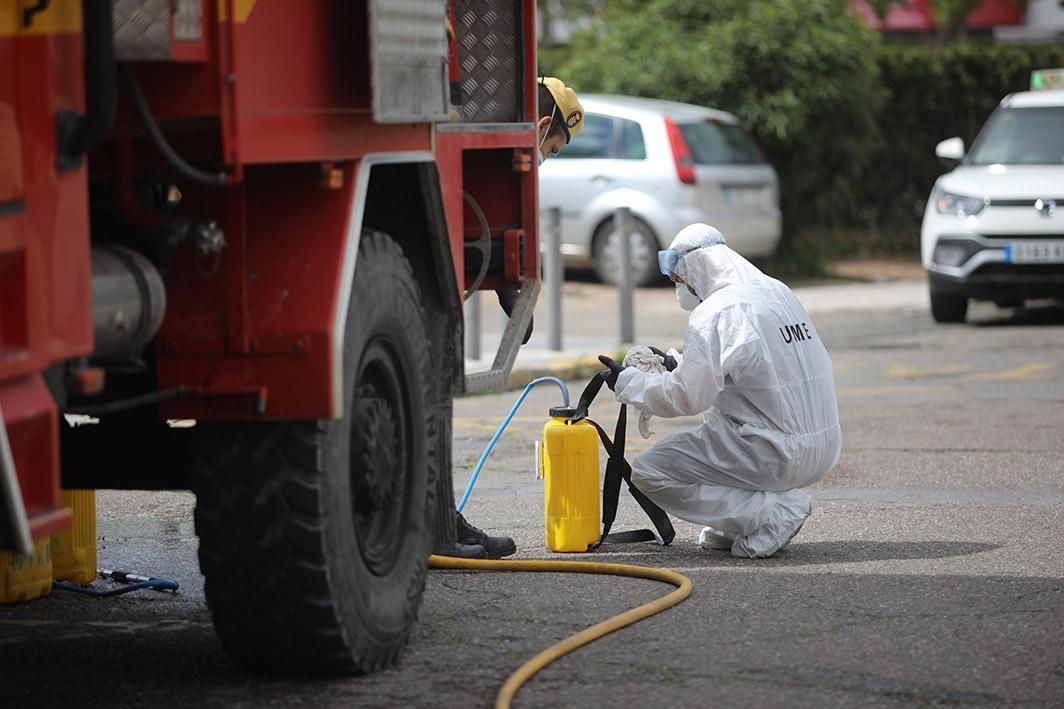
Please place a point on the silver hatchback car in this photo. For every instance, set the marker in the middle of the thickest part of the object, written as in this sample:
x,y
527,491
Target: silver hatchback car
x,y
672,164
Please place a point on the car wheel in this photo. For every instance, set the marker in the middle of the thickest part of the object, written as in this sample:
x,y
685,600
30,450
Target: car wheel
x,y
314,535
948,308
606,249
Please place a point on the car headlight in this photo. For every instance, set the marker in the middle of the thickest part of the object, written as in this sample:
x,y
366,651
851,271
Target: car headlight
x,y
959,205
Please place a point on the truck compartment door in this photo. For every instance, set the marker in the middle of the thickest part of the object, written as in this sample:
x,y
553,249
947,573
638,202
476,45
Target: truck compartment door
x,y
408,45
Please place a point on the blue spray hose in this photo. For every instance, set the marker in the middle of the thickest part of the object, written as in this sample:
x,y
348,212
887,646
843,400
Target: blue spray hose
x,y
155,584
134,582
506,421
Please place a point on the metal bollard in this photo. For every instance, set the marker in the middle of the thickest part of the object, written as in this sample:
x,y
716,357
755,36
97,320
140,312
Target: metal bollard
x,y
552,267
622,226
472,326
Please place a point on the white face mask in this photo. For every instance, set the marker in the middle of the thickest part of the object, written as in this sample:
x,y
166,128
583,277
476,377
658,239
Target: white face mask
x,y
688,300
539,147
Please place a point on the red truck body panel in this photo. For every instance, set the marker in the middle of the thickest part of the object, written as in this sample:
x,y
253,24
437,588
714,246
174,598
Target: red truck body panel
x,y
279,94
45,305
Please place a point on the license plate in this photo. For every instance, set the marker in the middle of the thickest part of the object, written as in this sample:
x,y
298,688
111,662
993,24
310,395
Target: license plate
x,y
1034,252
744,196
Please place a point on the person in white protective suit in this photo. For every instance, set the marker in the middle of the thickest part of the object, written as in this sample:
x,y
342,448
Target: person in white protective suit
x,y
756,368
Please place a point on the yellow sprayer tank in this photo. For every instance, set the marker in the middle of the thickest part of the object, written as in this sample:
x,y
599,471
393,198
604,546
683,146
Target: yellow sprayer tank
x,y
571,478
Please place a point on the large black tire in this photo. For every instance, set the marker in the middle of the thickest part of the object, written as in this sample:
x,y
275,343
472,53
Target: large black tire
x,y
314,535
948,308
605,248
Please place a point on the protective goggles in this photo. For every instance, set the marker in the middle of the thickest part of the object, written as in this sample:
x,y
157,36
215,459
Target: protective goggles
x,y
668,260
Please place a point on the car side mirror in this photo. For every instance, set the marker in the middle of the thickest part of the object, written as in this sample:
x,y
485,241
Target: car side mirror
x,y
950,149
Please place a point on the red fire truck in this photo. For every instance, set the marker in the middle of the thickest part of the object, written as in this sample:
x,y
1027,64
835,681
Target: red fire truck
x,y
261,216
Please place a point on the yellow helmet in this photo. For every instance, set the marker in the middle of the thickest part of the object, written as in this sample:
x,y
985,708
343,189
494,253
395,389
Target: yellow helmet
x,y
569,107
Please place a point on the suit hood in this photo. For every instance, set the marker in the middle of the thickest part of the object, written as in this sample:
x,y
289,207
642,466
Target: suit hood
x,y
708,263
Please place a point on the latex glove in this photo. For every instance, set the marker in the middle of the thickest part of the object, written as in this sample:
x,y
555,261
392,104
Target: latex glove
x,y
644,359
668,360
615,369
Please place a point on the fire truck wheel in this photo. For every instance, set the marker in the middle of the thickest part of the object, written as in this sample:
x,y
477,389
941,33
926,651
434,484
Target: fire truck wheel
x,y
314,535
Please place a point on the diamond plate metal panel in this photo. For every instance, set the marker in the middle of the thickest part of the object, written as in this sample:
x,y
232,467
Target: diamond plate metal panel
x,y
489,49
408,50
142,29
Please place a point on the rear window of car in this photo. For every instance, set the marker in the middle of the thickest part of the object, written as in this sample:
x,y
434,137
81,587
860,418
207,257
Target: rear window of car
x,y
1021,136
720,144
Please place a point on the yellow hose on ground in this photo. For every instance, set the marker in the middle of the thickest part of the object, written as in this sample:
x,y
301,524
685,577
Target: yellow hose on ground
x,y
526,671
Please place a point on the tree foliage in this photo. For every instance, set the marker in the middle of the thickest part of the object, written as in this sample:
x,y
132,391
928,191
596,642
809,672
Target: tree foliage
x,y
800,74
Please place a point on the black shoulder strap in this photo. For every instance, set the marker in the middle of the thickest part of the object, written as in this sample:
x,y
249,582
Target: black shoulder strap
x,y
618,469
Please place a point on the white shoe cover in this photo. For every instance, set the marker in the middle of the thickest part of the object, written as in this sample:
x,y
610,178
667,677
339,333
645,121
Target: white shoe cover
x,y
711,538
777,533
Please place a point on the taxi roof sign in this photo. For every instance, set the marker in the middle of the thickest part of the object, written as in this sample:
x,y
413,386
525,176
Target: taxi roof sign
x,y
1047,79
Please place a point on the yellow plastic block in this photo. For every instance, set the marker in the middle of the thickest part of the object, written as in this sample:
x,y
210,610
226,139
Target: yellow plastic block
x,y
74,551
25,578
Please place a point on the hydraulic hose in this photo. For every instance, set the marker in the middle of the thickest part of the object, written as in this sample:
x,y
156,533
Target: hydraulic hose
x,y
526,671
100,88
506,421
211,179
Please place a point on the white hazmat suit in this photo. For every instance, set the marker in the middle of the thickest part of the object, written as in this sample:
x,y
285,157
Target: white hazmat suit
x,y
754,366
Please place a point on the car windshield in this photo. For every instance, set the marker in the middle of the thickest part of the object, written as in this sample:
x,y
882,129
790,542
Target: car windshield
x,y
1021,136
714,143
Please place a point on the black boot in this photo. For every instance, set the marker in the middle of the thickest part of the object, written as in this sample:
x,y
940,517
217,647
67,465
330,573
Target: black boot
x,y
465,551
496,547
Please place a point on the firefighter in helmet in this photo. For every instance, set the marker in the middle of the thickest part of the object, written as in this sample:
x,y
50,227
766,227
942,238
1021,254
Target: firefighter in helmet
x,y
561,117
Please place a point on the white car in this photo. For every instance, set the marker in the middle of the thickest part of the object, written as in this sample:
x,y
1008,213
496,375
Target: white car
x,y
672,164
993,228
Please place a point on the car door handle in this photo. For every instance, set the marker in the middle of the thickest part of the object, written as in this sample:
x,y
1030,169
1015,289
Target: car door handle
x,y
600,180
